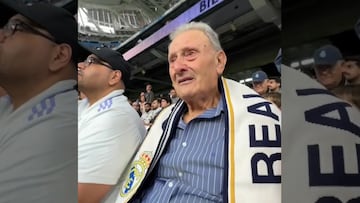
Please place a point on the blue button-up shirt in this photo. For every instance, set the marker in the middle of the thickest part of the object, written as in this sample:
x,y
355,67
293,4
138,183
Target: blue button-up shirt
x,y
192,168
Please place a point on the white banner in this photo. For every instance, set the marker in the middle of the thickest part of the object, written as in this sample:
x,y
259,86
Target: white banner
x,y
321,143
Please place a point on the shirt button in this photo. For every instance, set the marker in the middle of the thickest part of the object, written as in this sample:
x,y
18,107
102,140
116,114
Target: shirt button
x,y
171,184
184,144
180,174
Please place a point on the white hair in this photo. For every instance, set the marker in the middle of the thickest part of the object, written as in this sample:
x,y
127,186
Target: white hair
x,y
203,27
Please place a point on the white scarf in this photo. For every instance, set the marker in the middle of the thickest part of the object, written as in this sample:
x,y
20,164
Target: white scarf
x,y
246,179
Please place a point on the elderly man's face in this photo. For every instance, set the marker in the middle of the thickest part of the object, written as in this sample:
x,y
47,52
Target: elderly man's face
x,y
194,65
18,59
329,76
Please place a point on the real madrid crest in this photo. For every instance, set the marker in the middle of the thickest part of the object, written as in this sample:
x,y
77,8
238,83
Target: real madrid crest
x,y
137,173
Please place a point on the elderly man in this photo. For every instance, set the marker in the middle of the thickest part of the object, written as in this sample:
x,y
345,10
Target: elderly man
x,y
38,118
208,147
329,68
110,130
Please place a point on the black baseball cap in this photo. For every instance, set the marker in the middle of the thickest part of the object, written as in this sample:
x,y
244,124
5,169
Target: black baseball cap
x,y
113,58
59,22
327,55
259,76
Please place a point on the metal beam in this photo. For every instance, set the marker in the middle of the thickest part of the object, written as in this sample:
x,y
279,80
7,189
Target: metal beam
x,y
159,54
158,6
151,13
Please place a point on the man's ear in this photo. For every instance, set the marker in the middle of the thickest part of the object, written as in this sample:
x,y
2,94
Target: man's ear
x,y
115,77
61,57
220,62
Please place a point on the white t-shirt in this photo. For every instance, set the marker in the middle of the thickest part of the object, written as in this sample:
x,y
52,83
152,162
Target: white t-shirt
x,y
110,132
38,147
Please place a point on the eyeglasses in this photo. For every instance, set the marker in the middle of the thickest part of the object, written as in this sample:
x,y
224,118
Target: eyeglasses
x,y
93,60
12,26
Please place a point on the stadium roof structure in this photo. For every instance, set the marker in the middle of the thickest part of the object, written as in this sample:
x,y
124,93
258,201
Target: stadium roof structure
x,y
111,22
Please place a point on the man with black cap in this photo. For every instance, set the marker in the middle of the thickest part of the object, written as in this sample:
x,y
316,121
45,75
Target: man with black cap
x,y
110,130
260,82
38,118
329,69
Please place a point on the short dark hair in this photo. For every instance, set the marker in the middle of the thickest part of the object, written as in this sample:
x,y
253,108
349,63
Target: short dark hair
x,y
276,78
167,99
355,58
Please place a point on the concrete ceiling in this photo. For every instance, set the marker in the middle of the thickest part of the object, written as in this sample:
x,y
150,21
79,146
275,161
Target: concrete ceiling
x,y
309,24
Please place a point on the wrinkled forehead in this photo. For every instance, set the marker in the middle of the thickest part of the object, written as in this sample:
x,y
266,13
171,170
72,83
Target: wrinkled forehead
x,y
189,38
